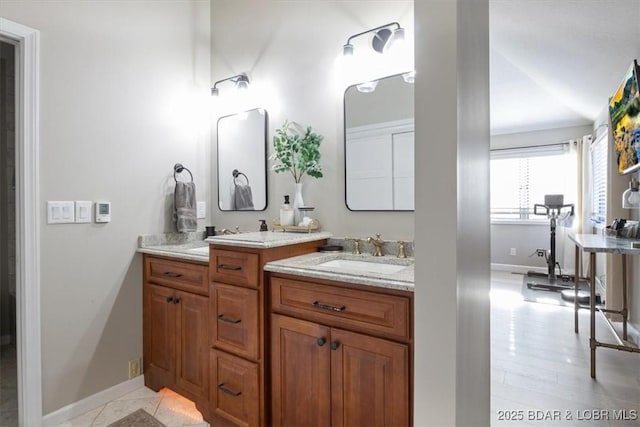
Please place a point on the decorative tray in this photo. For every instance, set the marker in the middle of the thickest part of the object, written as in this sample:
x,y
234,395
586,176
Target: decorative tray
x,y
314,225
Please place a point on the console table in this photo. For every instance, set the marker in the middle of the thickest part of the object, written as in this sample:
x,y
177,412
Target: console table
x,y
594,243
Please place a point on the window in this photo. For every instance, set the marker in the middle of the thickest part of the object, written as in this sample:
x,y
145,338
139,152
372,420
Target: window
x,y
520,178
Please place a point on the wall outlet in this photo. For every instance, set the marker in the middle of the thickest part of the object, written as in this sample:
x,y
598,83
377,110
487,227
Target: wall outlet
x,y
540,252
513,252
134,368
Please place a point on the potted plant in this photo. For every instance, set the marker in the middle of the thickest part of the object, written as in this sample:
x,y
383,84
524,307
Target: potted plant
x,y
297,151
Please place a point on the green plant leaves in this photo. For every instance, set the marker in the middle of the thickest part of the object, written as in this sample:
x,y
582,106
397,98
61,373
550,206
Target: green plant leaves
x,y
298,154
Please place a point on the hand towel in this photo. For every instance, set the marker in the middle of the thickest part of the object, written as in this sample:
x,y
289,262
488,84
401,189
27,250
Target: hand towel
x,y
185,206
242,198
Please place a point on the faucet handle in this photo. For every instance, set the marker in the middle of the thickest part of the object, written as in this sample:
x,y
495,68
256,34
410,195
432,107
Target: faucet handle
x,y
356,245
401,252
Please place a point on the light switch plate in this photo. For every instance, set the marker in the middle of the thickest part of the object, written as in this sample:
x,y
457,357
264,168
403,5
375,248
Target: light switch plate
x,y
201,210
83,212
60,212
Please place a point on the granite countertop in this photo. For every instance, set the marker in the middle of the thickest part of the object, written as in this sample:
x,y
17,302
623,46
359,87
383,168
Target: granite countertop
x,y
191,251
266,239
194,247
308,266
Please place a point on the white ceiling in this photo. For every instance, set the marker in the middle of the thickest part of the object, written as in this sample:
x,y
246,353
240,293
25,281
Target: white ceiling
x,y
555,63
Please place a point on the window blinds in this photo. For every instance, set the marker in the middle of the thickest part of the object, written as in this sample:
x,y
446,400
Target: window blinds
x,y
599,178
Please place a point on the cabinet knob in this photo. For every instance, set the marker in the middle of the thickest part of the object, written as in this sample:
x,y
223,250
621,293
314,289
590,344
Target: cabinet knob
x,y
169,299
335,345
176,300
321,341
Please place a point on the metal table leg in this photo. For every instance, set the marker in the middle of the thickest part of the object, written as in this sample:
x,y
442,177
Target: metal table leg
x,y
592,311
576,280
624,297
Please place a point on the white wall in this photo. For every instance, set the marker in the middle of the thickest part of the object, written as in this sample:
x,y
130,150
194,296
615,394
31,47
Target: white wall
x,y
452,214
121,84
291,55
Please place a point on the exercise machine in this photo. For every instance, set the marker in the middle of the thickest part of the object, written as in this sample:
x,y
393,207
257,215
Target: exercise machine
x,y
554,209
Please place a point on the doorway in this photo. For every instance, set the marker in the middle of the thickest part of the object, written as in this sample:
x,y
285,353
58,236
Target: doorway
x,y
23,184
8,354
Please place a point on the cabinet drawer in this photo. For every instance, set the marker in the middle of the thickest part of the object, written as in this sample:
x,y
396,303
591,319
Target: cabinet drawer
x,y
234,389
238,268
177,274
371,312
234,319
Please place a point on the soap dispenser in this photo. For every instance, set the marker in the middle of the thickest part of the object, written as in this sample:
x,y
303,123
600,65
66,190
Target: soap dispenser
x,y
286,212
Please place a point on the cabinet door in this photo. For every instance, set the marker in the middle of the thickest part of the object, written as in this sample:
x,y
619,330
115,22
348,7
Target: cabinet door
x,y
159,336
234,320
192,362
300,373
369,381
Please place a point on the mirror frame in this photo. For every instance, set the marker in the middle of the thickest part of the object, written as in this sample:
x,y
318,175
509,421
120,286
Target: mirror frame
x,y
266,163
344,133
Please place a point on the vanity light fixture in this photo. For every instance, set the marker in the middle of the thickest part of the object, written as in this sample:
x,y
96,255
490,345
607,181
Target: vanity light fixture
x,y
409,77
382,39
367,87
631,196
241,81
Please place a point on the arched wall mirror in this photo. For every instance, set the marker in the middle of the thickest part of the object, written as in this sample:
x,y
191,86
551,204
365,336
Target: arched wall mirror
x,y
242,161
379,144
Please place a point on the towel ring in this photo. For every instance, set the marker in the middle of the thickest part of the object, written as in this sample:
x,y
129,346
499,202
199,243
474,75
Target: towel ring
x,y
235,174
178,168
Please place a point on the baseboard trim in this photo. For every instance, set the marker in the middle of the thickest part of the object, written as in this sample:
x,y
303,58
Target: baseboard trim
x,y
91,402
520,269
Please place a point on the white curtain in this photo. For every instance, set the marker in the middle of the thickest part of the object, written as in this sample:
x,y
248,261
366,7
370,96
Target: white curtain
x,y
580,161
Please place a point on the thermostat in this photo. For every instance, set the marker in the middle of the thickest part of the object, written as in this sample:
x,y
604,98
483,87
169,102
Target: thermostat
x,y
103,211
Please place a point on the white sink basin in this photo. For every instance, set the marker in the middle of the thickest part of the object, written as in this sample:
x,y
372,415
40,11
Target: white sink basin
x,y
204,250
363,266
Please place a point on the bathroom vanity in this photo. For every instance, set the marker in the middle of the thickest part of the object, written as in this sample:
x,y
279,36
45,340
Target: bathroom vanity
x,y
348,344
254,324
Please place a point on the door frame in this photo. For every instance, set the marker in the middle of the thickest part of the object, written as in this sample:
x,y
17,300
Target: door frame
x,y
27,42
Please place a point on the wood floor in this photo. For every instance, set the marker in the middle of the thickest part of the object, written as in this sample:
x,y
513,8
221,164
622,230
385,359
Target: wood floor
x,y
540,367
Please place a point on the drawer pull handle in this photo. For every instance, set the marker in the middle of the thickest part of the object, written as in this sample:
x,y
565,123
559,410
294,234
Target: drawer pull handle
x,y
228,391
228,319
321,341
316,304
229,267
335,345
171,274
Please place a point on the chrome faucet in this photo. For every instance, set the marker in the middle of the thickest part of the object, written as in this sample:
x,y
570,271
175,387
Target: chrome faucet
x,y
377,245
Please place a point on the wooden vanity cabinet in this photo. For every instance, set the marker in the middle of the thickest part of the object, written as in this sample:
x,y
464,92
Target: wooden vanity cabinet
x,y
341,354
175,327
238,317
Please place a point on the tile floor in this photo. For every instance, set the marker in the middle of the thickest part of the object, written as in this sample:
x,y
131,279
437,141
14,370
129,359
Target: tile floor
x,y
168,407
538,366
